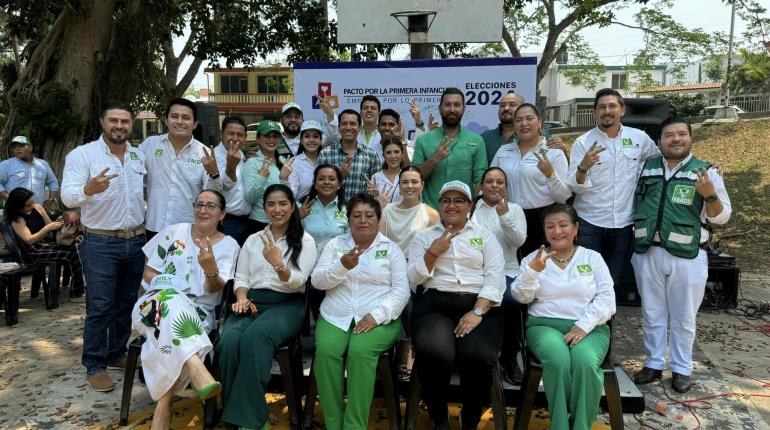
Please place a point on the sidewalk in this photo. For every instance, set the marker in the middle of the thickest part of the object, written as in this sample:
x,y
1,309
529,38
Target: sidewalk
x,y
42,384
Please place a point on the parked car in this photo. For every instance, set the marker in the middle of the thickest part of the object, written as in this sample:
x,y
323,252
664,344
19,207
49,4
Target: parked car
x,y
549,125
251,132
722,115
711,110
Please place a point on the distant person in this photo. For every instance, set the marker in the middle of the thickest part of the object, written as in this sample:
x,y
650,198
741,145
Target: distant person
x,y
262,171
27,171
291,122
230,162
105,179
178,168
603,170
449,152
676,196
357,162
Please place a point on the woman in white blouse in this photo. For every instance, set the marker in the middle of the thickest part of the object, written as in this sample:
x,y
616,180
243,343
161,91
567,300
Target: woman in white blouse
x,y
401,221
298,171
536,175
571,297
364,275
507,222
384,184
269,309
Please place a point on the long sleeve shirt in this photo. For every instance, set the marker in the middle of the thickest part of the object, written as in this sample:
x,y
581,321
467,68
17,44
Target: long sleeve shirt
x,y
527,185
15,172
121,205
174,181
301,177
474,262
364,165
325,222
253,271
606,198
233,191
582,291
377,285
510,229
254,184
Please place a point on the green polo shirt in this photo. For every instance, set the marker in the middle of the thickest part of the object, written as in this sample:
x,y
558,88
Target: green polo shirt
x,y
467,161
493,140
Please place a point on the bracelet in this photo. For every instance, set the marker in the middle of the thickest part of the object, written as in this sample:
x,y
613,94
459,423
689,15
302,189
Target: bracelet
x,y
419,124
216,176
553,175
431,253
213,275
711,198
280,269
581,169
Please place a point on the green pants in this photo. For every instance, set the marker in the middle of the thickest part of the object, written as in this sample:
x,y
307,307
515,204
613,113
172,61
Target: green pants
x,y
572,377
245,353
363,353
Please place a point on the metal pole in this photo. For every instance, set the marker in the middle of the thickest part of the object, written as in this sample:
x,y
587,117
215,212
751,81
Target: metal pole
x,y
418,37
729,56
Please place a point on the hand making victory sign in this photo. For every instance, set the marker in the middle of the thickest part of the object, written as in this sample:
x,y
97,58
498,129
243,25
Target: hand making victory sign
x,y
538,263
209,161
591,157
99,183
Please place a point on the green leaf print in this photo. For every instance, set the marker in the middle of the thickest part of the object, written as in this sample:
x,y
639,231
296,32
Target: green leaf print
x,y
201,313
161,252
166,295
175,342
170,269
163,310
187,326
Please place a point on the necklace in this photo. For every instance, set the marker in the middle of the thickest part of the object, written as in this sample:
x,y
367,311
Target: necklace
x,y
564,261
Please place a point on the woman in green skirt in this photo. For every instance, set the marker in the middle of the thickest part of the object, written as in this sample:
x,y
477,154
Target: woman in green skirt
x,y
570,296
364,275
269,288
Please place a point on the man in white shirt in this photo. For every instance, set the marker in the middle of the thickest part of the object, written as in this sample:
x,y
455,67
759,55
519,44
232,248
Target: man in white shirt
x,y
456,321
291,121
603,170
26,170
178,168
676,196
230,162
104,179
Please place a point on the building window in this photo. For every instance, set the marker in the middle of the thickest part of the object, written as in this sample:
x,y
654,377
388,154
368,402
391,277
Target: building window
x,y
234,84
618,81
272,84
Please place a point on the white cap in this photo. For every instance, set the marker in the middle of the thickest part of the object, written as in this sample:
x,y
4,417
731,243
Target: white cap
x,y
311,124
290,105
20,139
459,186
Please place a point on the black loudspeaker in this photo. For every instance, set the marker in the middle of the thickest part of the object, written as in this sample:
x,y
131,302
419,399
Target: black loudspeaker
x,y
646,114
207,131
723,282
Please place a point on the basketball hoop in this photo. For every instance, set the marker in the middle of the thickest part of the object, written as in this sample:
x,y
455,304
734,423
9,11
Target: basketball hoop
x,y
417,24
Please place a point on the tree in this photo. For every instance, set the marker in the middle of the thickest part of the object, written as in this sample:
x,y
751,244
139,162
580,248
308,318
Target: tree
x,y
752,75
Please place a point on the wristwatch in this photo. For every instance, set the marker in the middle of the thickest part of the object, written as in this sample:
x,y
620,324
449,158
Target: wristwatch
x,y
711,198
478,312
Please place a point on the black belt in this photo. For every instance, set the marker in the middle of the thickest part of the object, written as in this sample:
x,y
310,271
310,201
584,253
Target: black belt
x,y
703,245
239,217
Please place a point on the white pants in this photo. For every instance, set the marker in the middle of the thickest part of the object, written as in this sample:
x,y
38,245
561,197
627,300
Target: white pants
x,y
670,287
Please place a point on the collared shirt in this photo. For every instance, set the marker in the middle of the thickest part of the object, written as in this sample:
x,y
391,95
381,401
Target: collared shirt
x,y
373,142
606,199
510,229
233,191
15,172
377,285
325,222
288,146
582,291
527,185
467,161
365,164
721,192
383,183
493,140
174,181
301,176
474,263
254,272
254,184
121,205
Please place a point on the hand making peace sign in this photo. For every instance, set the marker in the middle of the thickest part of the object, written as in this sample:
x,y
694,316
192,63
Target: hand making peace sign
x,y
99,183
206,257
209,161
538,263
591,157
272,253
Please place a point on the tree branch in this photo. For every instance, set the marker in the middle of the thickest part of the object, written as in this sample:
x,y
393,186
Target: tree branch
x,y
510,43
636,27
188,77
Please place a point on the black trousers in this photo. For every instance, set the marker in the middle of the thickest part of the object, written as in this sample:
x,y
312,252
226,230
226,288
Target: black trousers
x,y
439,351
535,232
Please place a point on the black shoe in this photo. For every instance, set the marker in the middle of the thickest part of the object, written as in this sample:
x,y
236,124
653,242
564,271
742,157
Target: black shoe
x,y
647,375
681,383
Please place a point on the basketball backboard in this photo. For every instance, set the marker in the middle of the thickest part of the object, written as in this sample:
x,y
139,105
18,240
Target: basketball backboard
x,y
372,21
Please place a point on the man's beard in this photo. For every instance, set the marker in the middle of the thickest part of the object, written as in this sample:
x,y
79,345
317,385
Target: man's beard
x,y
451,120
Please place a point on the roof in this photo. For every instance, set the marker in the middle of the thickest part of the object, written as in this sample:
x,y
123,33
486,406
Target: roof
x,y
682,87
630,68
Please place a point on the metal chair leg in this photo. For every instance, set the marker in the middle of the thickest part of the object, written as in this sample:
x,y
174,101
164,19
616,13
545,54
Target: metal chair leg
x,y
310,399
387,379
530,383
498,399
612,394
134,348
413,400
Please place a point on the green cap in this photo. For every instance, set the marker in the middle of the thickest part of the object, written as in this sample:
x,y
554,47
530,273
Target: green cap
x,y
267,126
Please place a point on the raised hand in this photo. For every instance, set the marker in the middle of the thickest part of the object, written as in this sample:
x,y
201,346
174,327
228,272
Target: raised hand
x,y
206,258
347,165
538,263
326,107
432,123
371,187
574,336
442,243
414,110
384,195
502,206
272,253
286,169
265,169
350,260
592,156
544,164
209,161
442,152
306,207
234,152
99,183
703,185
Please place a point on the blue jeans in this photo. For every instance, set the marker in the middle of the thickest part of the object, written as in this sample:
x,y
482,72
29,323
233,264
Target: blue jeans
x,y
614,244
113,269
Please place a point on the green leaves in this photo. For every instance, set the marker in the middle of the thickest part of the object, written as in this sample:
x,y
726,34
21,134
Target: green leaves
x,y
187,326
161,252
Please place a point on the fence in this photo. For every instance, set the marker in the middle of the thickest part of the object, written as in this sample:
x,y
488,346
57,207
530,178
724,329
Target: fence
x,y
752,103
584,118
252,98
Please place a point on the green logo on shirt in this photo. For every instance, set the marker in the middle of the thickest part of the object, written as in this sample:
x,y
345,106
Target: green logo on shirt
x,y
585,269
683,194
133,156
477,243
158,152
339,216
627,143
380,254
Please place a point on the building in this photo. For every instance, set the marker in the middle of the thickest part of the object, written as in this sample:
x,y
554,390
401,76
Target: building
x,y
711,90
251,93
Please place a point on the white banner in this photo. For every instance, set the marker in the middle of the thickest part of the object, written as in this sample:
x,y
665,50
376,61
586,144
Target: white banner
x,y
483,80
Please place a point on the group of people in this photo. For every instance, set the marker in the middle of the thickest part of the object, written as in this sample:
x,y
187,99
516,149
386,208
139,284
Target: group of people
x,y
469,250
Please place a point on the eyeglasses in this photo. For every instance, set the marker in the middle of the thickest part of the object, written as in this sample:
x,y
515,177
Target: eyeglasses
x,y
208,206
456,202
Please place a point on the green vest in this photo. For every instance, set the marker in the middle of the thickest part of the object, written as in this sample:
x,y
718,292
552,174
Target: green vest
x,y
672,208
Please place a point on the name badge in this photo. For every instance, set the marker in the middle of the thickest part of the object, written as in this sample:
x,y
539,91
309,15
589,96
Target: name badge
x,y
134,156
627,143
585,269
381,254
158,152
683,195
339,216
477,243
